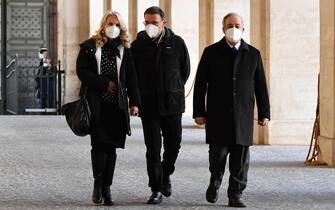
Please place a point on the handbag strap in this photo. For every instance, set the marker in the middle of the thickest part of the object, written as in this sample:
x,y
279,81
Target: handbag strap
x,y
83,92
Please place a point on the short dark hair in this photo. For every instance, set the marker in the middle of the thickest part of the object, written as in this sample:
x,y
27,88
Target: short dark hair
x,y
43,49
155,10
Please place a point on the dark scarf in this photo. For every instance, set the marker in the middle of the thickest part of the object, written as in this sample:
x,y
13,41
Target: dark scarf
x,y
111,47
108,66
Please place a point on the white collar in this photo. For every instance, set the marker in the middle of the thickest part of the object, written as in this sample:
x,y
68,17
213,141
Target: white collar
x,y
237,46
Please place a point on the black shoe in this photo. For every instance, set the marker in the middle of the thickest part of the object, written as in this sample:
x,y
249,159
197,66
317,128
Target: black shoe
x,y
236,202
96,197
155,198
107,197
213,191
166,187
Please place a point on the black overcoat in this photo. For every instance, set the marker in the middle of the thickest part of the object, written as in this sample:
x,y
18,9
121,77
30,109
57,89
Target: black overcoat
x,y
162,72
229,107
87,71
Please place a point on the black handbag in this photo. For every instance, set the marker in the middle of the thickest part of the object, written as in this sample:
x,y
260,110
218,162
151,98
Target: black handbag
x,y
78,115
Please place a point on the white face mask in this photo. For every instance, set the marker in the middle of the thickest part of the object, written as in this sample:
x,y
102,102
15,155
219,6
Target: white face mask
x,y
112,31
233,34
152,30
40,55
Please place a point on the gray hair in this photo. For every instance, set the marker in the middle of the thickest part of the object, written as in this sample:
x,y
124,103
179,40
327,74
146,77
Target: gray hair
x,y
229,15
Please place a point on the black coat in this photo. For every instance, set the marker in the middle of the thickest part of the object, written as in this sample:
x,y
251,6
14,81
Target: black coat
x,y
162,72
230,94
87,71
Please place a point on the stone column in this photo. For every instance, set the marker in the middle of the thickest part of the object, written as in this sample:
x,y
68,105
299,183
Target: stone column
x,y
75,30
60,31
166,6
107,5
291,60
206,21
132,18
260,38
54,29
327,81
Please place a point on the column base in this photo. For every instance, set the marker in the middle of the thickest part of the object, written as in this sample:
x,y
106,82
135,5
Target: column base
x,y
327,150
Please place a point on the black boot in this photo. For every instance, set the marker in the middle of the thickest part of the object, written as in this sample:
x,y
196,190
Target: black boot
x,y
213,190
110,167
106,194
96,196
98,165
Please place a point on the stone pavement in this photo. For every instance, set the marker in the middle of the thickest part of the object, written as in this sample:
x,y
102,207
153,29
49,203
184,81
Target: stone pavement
x,y
44,166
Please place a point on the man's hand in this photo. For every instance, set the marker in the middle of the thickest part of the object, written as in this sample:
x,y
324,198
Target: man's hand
x,y
200,120
263,122
112,86
133,111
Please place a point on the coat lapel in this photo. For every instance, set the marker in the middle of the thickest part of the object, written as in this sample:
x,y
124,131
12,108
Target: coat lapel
x,y
240,55
98,58
119,61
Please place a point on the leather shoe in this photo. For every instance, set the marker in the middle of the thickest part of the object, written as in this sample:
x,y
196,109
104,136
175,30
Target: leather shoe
x,y
212,193
155,198
166,187
236,202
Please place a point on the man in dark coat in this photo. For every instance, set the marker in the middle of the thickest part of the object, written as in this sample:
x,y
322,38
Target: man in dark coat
x,y
162,64
230,73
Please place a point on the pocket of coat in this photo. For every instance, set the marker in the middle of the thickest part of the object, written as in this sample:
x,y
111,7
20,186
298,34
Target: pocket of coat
x,y
175,99
170,59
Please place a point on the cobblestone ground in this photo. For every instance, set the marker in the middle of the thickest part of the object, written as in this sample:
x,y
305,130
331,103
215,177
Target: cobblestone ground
x,y
44,166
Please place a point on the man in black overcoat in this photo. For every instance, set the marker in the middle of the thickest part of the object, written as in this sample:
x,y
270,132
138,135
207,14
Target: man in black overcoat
x,y
163,66
229,76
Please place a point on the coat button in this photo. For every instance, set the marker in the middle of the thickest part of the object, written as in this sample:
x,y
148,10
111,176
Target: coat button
x,y
234,94
234,78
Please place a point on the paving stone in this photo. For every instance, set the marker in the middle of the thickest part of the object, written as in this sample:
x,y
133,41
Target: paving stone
x,y
44,166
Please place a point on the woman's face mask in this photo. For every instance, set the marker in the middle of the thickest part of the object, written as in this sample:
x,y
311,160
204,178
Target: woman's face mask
x,y
112,31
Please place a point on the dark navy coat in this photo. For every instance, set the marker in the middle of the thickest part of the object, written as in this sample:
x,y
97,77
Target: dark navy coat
x,y
230,85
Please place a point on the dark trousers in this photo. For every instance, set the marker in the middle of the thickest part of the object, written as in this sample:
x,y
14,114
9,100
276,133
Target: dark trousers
x,y
238,167
103,163
154,127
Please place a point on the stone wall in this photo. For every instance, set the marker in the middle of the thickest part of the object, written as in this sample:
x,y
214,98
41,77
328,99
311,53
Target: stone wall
x,y
294,66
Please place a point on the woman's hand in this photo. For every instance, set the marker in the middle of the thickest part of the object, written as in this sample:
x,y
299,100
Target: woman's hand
x,y
112,86
133,111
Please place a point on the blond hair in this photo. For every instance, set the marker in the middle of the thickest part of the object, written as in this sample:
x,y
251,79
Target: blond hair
x,y
100,35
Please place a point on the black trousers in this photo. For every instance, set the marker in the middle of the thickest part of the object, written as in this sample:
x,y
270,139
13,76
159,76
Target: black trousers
x,y
239,157
154,127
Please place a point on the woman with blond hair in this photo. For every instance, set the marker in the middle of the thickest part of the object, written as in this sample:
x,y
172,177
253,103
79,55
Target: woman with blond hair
x,y
106,71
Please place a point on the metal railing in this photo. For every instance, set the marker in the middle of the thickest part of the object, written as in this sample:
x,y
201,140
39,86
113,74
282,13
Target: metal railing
x,y
11,93
40,89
